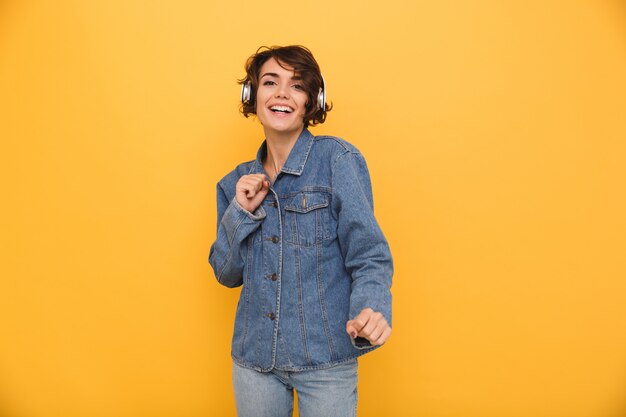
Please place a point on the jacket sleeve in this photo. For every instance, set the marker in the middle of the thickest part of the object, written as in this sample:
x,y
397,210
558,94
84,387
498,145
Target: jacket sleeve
x,y
234,225
364,248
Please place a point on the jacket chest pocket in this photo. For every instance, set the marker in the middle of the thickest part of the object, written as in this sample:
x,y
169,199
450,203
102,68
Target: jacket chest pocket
x,y
307,218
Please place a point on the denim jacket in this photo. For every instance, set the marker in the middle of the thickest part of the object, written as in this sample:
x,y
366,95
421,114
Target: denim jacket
x,y
310,257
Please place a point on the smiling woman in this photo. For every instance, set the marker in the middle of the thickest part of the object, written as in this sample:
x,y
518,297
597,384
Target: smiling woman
x,y
296,228
291,59
281,99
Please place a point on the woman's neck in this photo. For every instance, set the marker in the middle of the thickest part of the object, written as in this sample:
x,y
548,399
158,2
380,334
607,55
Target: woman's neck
x,y
278,148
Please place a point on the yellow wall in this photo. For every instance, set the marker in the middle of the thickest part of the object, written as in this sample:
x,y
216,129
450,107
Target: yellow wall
x,y
495,134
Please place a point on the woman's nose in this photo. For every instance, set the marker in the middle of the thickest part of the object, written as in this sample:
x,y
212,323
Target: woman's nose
x,y
282,91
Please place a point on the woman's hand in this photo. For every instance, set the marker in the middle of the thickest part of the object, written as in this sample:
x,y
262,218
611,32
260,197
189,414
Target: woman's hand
x,y
251,190
370,325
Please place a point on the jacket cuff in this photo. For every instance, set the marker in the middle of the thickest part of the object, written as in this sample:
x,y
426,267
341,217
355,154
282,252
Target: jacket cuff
x,y
259,213
238,221
361,343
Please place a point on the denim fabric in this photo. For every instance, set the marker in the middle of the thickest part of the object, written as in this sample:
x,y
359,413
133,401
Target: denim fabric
x,y
330,392
310,257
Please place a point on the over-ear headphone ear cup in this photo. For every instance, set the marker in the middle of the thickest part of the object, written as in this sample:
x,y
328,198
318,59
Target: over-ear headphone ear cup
x,y
321,95
320,99
245,93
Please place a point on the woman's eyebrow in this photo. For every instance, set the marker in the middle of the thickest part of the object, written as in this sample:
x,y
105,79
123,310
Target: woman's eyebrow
x,y
273,74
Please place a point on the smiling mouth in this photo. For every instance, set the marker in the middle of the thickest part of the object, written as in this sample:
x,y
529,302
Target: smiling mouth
x,y
281,109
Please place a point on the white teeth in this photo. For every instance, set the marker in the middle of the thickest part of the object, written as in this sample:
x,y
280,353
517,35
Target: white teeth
x,y
285,109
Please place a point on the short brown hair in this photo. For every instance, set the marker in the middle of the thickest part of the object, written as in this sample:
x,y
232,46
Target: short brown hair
x,y
304,65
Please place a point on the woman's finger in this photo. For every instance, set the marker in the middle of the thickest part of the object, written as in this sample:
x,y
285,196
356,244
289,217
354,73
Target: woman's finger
x,y
383,337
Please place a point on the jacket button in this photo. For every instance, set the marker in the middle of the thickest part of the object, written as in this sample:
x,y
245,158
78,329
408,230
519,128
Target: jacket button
x,y
275,239
274,204
271,316
274,277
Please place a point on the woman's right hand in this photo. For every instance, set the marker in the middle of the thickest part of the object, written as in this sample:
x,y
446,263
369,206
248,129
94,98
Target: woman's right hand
x,y
251,190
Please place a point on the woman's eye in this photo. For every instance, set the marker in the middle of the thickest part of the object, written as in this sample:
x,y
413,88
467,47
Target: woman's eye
x,y
269,82
298,87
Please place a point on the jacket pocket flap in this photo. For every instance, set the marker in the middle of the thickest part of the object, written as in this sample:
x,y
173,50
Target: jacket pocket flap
x,y
306,201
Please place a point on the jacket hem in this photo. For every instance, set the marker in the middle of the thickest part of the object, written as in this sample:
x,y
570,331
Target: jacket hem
x,y
317,367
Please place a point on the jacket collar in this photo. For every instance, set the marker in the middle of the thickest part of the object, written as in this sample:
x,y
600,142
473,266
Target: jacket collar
x,y
296,159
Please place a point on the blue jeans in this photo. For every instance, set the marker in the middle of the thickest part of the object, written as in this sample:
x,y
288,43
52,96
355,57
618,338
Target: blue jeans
x,y
330,392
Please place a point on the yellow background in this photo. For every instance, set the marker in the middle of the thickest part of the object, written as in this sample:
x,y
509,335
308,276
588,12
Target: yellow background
x,y
495,135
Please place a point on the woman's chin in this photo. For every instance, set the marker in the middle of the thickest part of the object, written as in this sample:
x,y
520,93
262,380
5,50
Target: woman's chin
x,y
282,129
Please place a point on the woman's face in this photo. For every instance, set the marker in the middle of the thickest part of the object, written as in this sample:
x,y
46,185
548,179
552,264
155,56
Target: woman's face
x,y
280,99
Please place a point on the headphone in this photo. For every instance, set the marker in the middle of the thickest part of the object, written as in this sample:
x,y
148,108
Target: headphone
x,y
246,93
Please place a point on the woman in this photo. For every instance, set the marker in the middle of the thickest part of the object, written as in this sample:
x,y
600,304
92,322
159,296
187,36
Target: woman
x,y
296,228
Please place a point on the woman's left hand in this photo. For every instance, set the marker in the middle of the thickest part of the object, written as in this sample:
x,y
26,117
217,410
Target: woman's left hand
x,y
371,325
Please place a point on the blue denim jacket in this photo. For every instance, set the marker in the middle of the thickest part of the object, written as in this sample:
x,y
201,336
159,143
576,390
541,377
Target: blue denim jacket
x,y
310,257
